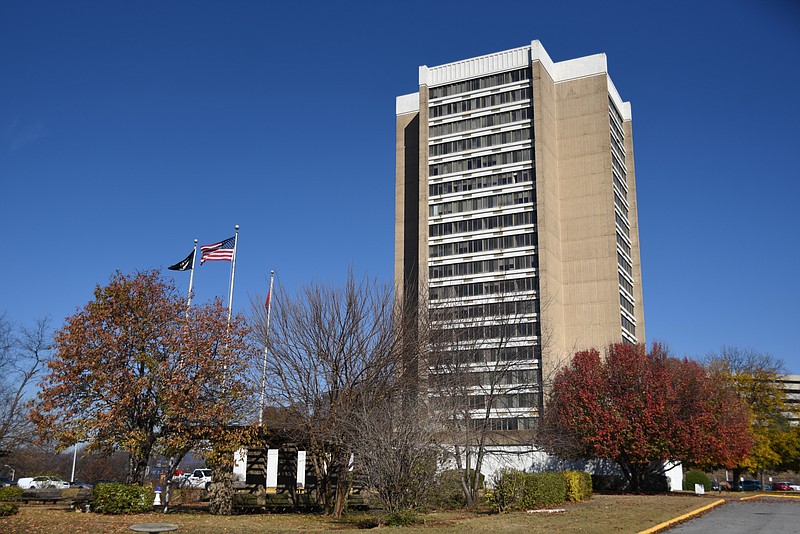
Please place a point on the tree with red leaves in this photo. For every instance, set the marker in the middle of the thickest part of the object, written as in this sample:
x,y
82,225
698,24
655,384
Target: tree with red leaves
x,y
642,409
134,371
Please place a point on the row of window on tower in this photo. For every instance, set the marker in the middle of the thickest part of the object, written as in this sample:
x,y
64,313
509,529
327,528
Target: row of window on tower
x,y
479,102
481,224
472,355
503,330
474,246
480,182
482,203
477,123
481,162
442,379
468,268
476,289
479,141
476,84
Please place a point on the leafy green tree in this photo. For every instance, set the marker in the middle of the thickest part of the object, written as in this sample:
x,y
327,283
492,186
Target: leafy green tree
x,y
755,378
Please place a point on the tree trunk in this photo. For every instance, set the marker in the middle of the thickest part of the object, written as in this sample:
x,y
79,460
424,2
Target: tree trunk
x,y
737,474
341,485
137,468
221,490
323,480
171,466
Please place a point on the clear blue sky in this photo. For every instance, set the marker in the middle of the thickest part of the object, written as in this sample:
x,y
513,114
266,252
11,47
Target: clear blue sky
x,y
127,129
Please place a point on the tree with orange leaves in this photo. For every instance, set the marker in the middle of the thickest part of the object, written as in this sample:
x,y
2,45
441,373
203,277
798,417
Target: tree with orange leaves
x,y
641,409
133,371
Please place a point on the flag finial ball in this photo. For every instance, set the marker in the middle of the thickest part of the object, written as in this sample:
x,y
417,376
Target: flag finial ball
x,y
237,226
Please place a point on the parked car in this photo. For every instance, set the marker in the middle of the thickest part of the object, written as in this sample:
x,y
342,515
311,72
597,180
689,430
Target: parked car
x,y
200,478
42,482
6,481
781,486
723,485
181,480
794,487
749,485
80,484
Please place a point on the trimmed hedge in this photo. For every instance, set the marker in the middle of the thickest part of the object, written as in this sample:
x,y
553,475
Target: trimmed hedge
x,y
516,490
11,494
579,485
117,498
696,477
8,500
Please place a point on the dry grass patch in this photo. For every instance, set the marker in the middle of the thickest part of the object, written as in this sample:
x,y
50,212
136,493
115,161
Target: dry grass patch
x,y
604,513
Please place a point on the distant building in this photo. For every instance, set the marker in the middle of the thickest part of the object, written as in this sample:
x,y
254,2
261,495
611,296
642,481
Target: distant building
x,y
790,384
516,184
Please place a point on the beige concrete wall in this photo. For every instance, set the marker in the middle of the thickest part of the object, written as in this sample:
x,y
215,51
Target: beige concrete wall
x,y
423,194
577,251
405,221
548,223
588,231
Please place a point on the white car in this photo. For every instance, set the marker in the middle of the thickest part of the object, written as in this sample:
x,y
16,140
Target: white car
x,y
795,487
43,482
200,478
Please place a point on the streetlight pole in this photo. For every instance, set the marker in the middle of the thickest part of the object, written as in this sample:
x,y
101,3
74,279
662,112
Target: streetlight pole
x,y
13,472
74,459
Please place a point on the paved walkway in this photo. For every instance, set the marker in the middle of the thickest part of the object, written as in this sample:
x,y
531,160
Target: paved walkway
x,y
758,516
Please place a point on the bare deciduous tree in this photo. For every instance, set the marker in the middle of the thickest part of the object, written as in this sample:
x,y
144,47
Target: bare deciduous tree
x,y
397,452
483,377
22,355
333,351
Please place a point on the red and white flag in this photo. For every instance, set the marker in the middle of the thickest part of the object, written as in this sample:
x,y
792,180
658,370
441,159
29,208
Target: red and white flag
x,y
222,251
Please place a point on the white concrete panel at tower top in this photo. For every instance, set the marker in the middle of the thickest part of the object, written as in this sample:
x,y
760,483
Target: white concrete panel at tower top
x,y
570,69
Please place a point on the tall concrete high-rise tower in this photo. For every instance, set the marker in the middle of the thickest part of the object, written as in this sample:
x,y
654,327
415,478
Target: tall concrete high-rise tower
x,y
516,197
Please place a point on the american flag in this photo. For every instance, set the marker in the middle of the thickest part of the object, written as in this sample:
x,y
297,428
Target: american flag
x,y
222,251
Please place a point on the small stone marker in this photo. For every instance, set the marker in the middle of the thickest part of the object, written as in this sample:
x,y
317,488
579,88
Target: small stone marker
x,y
154,527
548,511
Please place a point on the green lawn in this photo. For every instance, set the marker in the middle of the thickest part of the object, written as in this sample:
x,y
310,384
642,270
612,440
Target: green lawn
x,y
604,513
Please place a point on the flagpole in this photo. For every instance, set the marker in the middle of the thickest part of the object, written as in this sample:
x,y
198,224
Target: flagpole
x,y
233,273
266,351
191,278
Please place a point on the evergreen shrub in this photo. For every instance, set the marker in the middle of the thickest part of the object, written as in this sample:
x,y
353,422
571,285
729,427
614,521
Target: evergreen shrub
x,y
117,498
516,490
544,489
8,500
696,477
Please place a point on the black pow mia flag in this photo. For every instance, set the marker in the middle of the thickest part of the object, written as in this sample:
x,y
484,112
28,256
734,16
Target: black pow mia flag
x,y
185,265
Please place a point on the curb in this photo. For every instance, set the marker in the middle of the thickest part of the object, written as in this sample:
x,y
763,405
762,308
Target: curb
x,y
671,522
769,496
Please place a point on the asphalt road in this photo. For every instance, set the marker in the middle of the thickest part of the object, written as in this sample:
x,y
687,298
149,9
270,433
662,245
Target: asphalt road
x,y
773,516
